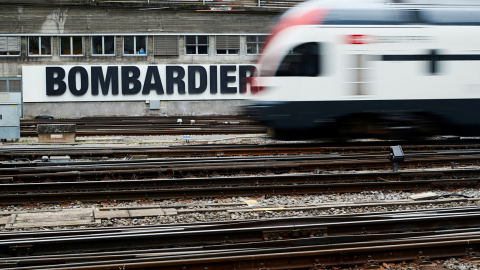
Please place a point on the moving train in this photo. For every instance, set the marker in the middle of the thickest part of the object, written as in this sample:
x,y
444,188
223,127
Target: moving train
x,y
370,68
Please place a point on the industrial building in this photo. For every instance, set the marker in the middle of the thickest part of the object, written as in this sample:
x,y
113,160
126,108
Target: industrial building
x,y
129,58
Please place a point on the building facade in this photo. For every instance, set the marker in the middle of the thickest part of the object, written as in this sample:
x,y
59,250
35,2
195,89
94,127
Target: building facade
x,y
91,58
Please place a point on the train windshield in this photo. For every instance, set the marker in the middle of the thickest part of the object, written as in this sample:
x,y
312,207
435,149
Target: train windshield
x,y
303,60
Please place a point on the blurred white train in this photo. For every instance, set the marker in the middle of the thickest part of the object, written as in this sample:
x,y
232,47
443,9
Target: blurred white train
x,y
371,68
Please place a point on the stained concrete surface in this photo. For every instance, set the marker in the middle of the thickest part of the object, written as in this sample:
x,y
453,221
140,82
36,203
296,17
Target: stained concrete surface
x,y
133,108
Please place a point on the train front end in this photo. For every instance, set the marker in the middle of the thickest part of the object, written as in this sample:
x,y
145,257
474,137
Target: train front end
x,y
277,101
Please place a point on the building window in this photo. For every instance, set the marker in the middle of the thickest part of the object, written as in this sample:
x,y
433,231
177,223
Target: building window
x,y
40,46
103,45
165,45
10,46
10,85
255,44
196,44
228,44
135,45
3,86
71,46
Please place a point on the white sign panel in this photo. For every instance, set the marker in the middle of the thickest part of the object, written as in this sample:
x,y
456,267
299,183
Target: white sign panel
x,y
135,82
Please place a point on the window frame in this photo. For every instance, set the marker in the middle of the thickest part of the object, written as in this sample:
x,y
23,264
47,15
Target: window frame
x,y
71,46
258,44
166,45
19,40
103,46
301,62
228,52
197,44
135,50
40,47
8,85
227,45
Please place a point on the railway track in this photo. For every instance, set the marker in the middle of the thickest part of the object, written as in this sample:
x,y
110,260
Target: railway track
x,y
189,167
141,126
160,189
296,243
228,150
183,172
135,190
181,178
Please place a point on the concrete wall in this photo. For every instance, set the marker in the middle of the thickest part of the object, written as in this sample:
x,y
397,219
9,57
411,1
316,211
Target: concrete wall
x,y
83,109
41,19
201,107
133,108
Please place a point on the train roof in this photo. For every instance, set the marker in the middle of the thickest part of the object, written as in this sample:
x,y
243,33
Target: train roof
x,y
386,12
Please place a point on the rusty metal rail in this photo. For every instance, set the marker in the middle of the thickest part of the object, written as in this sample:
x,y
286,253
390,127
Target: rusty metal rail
x,y
293,243
222,150
173,178
208,167
140,126
157,189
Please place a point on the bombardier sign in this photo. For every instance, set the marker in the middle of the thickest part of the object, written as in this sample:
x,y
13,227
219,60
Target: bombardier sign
x,y
135,82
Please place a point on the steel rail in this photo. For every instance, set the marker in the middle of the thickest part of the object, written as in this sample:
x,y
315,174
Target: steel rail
x,y
150,126
105,131
215,150
157,189
5,235
342,243
368,255
161,168
254,231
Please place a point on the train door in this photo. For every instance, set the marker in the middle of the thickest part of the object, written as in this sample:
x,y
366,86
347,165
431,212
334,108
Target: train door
x,y
358,74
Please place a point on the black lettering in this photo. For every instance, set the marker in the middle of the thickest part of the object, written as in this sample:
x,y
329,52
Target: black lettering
x,y
133,79
225,79
172,79
213,79
52,81
243,76
72,81
152,71
104,81
192,72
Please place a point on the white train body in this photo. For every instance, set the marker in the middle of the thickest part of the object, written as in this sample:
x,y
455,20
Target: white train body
x,y
372,68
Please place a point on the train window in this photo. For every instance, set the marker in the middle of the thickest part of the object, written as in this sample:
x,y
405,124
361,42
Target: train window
x,y
303,60
389,16
457,16
367,16
413,16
